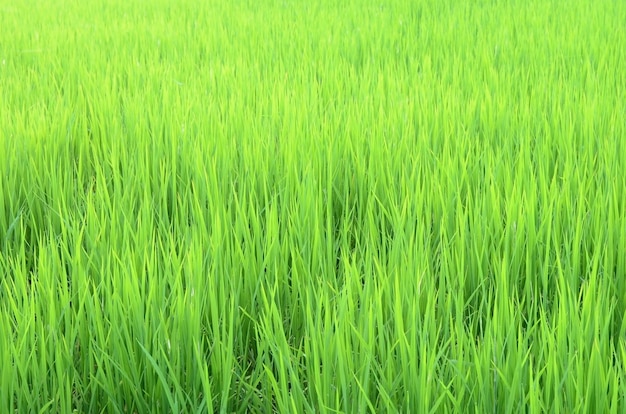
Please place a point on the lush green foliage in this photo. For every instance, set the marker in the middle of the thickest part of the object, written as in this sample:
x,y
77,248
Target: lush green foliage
x,y
321,206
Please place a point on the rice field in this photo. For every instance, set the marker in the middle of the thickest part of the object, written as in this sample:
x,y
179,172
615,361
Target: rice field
x,y
280,206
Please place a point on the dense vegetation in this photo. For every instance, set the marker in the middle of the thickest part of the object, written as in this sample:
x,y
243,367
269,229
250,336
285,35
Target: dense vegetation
x,y
322,206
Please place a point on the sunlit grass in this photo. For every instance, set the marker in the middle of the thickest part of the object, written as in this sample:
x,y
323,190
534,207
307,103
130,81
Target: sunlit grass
x,y
285,206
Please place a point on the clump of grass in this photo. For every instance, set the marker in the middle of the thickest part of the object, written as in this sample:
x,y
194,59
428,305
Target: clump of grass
x,y
285,207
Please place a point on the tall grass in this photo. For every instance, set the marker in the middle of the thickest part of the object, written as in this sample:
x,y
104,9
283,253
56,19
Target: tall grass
x,y
285,206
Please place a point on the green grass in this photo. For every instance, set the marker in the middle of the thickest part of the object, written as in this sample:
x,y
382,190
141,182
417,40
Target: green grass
x,y
324,206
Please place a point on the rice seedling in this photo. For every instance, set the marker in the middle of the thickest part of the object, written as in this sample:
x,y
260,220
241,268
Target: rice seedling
x,y
280,206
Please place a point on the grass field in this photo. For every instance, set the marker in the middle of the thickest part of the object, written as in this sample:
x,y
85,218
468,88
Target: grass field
x,y
313,206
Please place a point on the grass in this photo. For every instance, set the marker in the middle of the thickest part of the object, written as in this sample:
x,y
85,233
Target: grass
x,y
285,206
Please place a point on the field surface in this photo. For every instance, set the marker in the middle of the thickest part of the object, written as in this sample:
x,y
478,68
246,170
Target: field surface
x,y
315,206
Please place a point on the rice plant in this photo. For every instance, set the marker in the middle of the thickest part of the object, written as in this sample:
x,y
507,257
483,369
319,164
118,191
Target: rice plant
x,y
313,207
